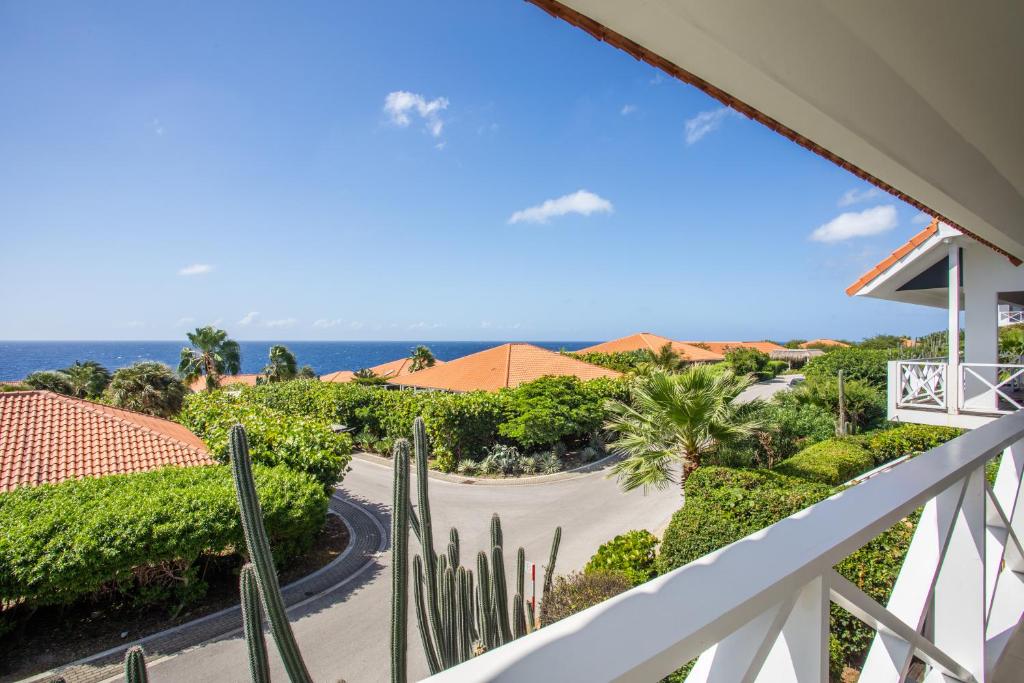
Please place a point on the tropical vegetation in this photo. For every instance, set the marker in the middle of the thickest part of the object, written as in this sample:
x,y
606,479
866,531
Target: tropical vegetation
x,y
421,357
282,366
147,387
212,354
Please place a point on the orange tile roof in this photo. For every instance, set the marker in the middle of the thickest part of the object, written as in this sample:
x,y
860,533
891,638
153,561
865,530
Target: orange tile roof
x,y
393,368
892,258
46,438
645,341
823,342
508,365
723,346
249,380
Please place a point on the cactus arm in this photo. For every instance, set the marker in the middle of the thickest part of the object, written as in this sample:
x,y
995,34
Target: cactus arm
x,y
400,562
518,616
252,625
531,618
135,666
453,547
421,616
484,614
419,434
500,595
549,571
496,535
521,571
464,617
263,562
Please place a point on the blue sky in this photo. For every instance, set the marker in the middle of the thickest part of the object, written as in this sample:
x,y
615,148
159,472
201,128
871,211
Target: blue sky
x,y
380,171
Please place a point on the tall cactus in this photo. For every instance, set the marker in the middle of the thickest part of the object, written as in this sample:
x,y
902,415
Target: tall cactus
x,y
252,625
258,547
135,666
459,614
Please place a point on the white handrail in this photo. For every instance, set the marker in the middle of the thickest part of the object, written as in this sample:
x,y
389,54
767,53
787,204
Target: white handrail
x,y
722,599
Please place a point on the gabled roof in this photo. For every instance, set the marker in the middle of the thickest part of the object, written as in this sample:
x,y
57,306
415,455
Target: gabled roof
x,y
893,258
46,438
508,365
645,341
248,380
823,342
722,347
389,370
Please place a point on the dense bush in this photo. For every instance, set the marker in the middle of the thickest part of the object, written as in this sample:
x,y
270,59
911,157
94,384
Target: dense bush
x,y
906,439
724,505
576,592
142,534
275,438
787,427
747,361
869,365
548,411
463,424
777,367
622,361
834,462
865,404
632,553
51,380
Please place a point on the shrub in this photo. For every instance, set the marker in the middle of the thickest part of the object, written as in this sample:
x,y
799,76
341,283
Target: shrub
x,y
66,541
465,424
549,462
147,387
576,592
787,426
468,467
444,459
275,438
907,439
51,380
777,367
504,459
747,361
865,404
632,553
834,462
868,365
549,410
621,361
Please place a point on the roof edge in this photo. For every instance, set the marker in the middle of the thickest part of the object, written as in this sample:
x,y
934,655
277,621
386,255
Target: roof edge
x,y
891,260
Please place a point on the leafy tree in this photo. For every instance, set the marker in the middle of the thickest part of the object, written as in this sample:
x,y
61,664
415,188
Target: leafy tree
x,y
883,341
51,380
747,361
282,366
865,403
1011,343
421,357
667,360
307,372
548,411
870,365
366,376
677,418
87,378
147,387
212,354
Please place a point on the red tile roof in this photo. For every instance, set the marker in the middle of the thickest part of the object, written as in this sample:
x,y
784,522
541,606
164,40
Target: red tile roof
x,y
508,365
46,438
645,341
723,346
823,342
340,376
892,258
394,368
249,380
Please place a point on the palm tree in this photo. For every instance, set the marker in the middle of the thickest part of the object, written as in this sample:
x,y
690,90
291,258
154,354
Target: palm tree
x,y
282,366
368,377
212,354
667,360
147,387
87,378
677,418
421,357
307,372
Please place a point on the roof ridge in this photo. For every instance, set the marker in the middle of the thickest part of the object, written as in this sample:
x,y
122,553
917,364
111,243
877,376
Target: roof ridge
x,y
890,260
97,409
508,363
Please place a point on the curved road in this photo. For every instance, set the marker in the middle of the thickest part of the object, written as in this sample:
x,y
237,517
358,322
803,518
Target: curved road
x,y
344,635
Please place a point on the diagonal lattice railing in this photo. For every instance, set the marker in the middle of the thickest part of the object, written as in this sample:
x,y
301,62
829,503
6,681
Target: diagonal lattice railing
x,y
758,609
922,384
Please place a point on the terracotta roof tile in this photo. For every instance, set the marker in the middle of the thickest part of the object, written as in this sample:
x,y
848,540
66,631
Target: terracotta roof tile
x,y
723,346
823,342
892,258
394,368
340,376
249,380
654,343
508,365
46,438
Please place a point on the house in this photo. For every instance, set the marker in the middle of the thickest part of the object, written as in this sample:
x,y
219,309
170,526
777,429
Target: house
x,y
922,101
723,347
645,341
943,268
46,438
389,370
508,365
814,343
249,380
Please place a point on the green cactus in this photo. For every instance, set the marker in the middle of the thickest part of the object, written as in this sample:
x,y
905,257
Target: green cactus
x,y
459,614
135,666
258,547
252,625
549,573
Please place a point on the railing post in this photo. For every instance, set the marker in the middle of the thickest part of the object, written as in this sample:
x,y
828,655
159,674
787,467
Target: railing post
x,y
958,611
800,653
893,388
953,364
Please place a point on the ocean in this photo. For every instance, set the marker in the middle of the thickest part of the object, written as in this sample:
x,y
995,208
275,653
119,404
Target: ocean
x,y
20,358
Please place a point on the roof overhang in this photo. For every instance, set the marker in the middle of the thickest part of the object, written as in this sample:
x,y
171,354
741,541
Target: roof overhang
x,y
920,97
906,274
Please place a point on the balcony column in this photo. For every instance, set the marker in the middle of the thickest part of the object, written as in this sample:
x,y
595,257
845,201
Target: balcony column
x,y
953,362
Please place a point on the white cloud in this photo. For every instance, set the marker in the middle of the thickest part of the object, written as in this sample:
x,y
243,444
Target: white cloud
x,y
196,269
856,224
283,322
401,105
158,127
327,322
921,219
249,318
184,322
704,123
856,196
628,109
357,324
581,202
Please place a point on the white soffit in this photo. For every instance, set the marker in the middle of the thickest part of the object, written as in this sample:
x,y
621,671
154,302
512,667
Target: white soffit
x,y
924,95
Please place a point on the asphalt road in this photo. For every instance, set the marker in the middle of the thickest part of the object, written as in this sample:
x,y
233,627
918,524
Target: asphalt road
x,y
345,634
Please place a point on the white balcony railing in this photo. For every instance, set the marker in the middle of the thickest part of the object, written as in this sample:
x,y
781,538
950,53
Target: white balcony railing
x,y
1011,318
758,610
991,388
921,384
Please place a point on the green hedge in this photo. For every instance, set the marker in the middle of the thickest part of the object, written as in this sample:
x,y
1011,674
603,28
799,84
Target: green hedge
x,y
869,365
835,461
907,439
632,553
66,541
621,361
724,505
276,437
